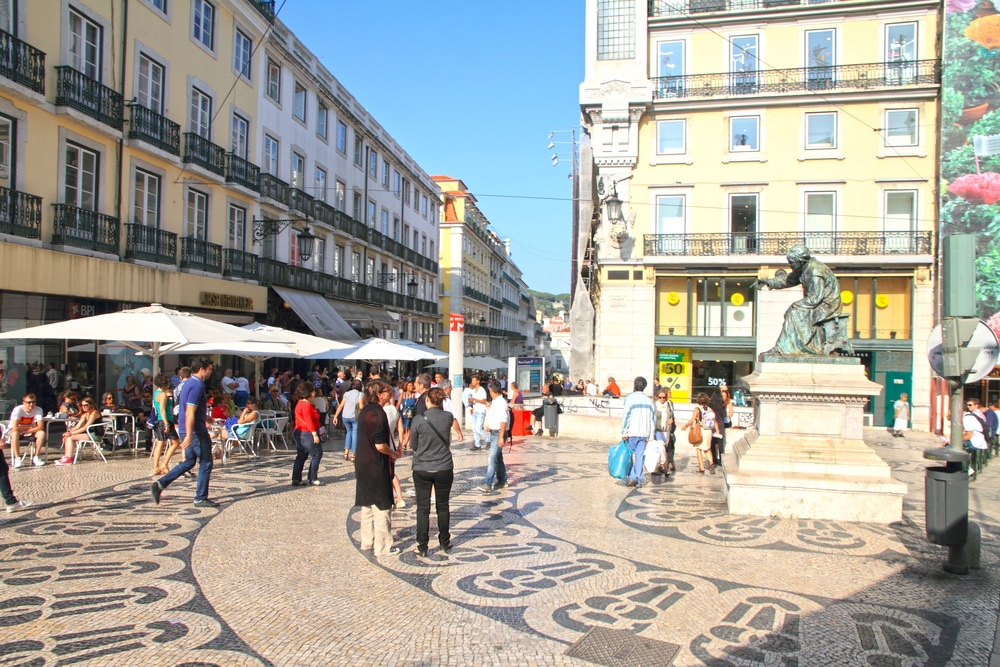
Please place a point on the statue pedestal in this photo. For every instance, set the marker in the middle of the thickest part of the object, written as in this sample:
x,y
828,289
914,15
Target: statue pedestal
x,y
806,456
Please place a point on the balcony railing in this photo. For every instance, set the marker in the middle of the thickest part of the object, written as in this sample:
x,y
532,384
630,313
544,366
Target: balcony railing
x,y
242,172
274,188
778,243
301,202
78,91
151,127
150,244
22,63
200,254
81,228
20,214
200,151
866,76
265,7
240,264
658,8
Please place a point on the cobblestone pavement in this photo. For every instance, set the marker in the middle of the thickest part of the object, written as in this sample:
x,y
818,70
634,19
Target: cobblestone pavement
x,y
97,574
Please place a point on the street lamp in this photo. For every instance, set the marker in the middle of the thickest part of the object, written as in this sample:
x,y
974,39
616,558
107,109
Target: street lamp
x,y
263,228
384,278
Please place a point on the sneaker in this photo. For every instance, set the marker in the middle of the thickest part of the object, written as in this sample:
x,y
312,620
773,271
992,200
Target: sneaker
x,y
485,488
37,461
19,506
65,461
156,490
17,461
500,485
446,548
538,432
401,504
316,482
631,482
412,493
205,503
299,483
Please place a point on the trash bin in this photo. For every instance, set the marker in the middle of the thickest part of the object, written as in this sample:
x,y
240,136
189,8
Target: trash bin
x,y
946,494
520,427
550,415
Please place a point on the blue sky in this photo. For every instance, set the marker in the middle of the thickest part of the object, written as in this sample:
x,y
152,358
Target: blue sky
x,y
472,90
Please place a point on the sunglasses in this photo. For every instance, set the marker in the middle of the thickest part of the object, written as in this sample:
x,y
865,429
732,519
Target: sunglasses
x,y
29,402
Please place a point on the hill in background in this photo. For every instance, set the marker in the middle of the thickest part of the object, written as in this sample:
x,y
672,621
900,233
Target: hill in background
x,y
550,304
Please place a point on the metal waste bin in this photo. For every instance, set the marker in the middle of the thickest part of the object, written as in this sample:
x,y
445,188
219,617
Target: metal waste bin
x,y
550,414
946,495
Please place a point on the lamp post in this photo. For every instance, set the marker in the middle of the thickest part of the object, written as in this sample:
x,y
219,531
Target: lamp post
x,y
306,240
385,278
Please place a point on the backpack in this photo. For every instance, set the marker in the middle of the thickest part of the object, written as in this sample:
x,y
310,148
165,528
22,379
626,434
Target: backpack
x,y
708,419
151,420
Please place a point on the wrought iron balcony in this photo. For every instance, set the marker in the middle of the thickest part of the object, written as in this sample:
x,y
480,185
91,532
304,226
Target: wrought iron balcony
x,y
265,7
200,254
81,228
20,214
778,243
242,172
301,202
22,63
150,244
154,129
78,91
240,264
202,152
866,76
681,8
274,188
476,294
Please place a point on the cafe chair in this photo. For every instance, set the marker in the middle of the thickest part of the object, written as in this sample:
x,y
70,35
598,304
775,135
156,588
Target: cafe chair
x,y
244,443
96,433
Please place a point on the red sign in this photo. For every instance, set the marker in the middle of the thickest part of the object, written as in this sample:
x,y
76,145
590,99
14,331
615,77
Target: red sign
x,y
456,322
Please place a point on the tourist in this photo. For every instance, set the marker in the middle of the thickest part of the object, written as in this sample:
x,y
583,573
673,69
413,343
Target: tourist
x,y
663,409
638,427
88,417
275,401
514,395
496,422
433,470
10,501
448,406
373,488
704,418
242,389
421,385
974,430
612,390
26,421
131,395
166,425
478,403
718,404
348,411
307,443
239,426
901,417
407,401
395,441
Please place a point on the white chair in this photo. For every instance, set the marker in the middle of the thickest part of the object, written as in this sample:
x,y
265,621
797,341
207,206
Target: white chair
x,y
245,443
274,428
96,433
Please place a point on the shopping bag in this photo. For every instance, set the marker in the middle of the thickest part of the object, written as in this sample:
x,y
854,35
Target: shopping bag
x,y
619,460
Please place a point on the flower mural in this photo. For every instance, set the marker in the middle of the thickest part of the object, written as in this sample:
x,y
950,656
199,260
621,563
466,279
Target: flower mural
x,y
985,31
977,188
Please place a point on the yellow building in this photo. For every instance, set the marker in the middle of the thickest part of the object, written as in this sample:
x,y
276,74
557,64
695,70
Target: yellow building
x,y
733,130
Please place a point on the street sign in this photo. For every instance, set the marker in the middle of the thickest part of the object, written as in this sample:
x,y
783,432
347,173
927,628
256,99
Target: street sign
x,y
456,322
982,339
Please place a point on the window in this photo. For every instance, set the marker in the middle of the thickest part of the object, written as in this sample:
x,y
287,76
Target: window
x,y
370,271
201,113
406,191
820,57
416,240
820,220
81,177
670,214
196,225
269,246
670,137
84,45
270,155
150,93
339,195
433,256
356,266
146,210
320,192
743,63
372,163
204,23
395,227
358,150
900,211
240,131
385,223
273,80
242,50
406,234
900,42
294,258
298,169
385,174
416,199
370,218
356,206
615,29
7,142
423,244
319,255
670,69
423,205
821,130
237,227
322,115
395,182
159,4
341,137
900,127
299,103
338,261
743,133
743,222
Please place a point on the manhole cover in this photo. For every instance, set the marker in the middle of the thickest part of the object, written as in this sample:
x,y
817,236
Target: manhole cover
x,y
621,648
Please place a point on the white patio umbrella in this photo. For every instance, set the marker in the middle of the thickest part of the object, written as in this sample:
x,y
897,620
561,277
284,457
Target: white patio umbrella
x,y
429,351
300,345
375,350
475,363
152,330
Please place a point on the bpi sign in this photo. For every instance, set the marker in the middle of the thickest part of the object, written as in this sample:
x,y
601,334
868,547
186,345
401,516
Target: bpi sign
x,y
78,310
970,354
456,322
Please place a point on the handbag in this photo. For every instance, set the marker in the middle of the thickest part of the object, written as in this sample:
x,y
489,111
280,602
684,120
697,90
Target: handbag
x,y
694,433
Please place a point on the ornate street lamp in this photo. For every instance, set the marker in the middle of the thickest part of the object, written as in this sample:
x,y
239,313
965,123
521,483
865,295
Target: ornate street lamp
x,y
306,239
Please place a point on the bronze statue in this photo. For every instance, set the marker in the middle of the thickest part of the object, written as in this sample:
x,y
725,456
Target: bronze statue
x,y
813,325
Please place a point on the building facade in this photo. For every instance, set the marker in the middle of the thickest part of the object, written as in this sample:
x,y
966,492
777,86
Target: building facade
x,y
729,131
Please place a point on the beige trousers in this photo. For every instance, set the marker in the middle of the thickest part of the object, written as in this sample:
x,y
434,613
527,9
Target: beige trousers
x,y
375,529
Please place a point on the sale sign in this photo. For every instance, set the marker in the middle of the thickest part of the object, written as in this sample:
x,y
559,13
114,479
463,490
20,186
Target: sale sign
x,y
675,372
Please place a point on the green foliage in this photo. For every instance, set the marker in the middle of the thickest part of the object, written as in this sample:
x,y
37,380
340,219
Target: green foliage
x,y
545,302
969,69
988,280
960,217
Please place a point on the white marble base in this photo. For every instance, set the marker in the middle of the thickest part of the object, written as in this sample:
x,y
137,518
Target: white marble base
x,y
806,457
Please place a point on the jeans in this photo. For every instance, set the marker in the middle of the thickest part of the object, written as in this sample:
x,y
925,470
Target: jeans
x,y
478,432
305,447
422,483
351,439
495,466
638,447
5,490
200,449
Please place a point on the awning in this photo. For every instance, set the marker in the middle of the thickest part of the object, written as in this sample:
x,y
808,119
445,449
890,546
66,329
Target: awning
x,y
318,315
364,317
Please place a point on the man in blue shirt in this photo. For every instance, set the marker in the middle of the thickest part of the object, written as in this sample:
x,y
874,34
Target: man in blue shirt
x,y
192,426
638,427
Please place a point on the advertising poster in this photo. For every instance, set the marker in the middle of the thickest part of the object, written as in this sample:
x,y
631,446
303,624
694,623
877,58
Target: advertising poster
x,y
970,139
675,372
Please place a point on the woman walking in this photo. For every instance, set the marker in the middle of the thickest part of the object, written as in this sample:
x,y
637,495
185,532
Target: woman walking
x,y
704,418
664,418
348,410
433,467
306,435
166,429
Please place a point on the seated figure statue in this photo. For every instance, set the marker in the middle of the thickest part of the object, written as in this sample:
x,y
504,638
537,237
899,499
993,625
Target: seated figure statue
x,y
813,325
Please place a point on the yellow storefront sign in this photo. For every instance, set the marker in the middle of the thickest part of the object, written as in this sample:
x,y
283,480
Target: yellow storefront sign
x,y
675,372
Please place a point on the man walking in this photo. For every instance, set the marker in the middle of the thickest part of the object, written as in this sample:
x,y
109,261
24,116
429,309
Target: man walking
x,y
193,430
496,421
638,427
478,403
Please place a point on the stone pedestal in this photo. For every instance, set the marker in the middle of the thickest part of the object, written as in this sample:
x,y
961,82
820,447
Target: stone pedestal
x,y
806,456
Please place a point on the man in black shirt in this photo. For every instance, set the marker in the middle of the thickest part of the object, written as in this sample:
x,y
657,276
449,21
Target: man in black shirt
x,y
421,385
